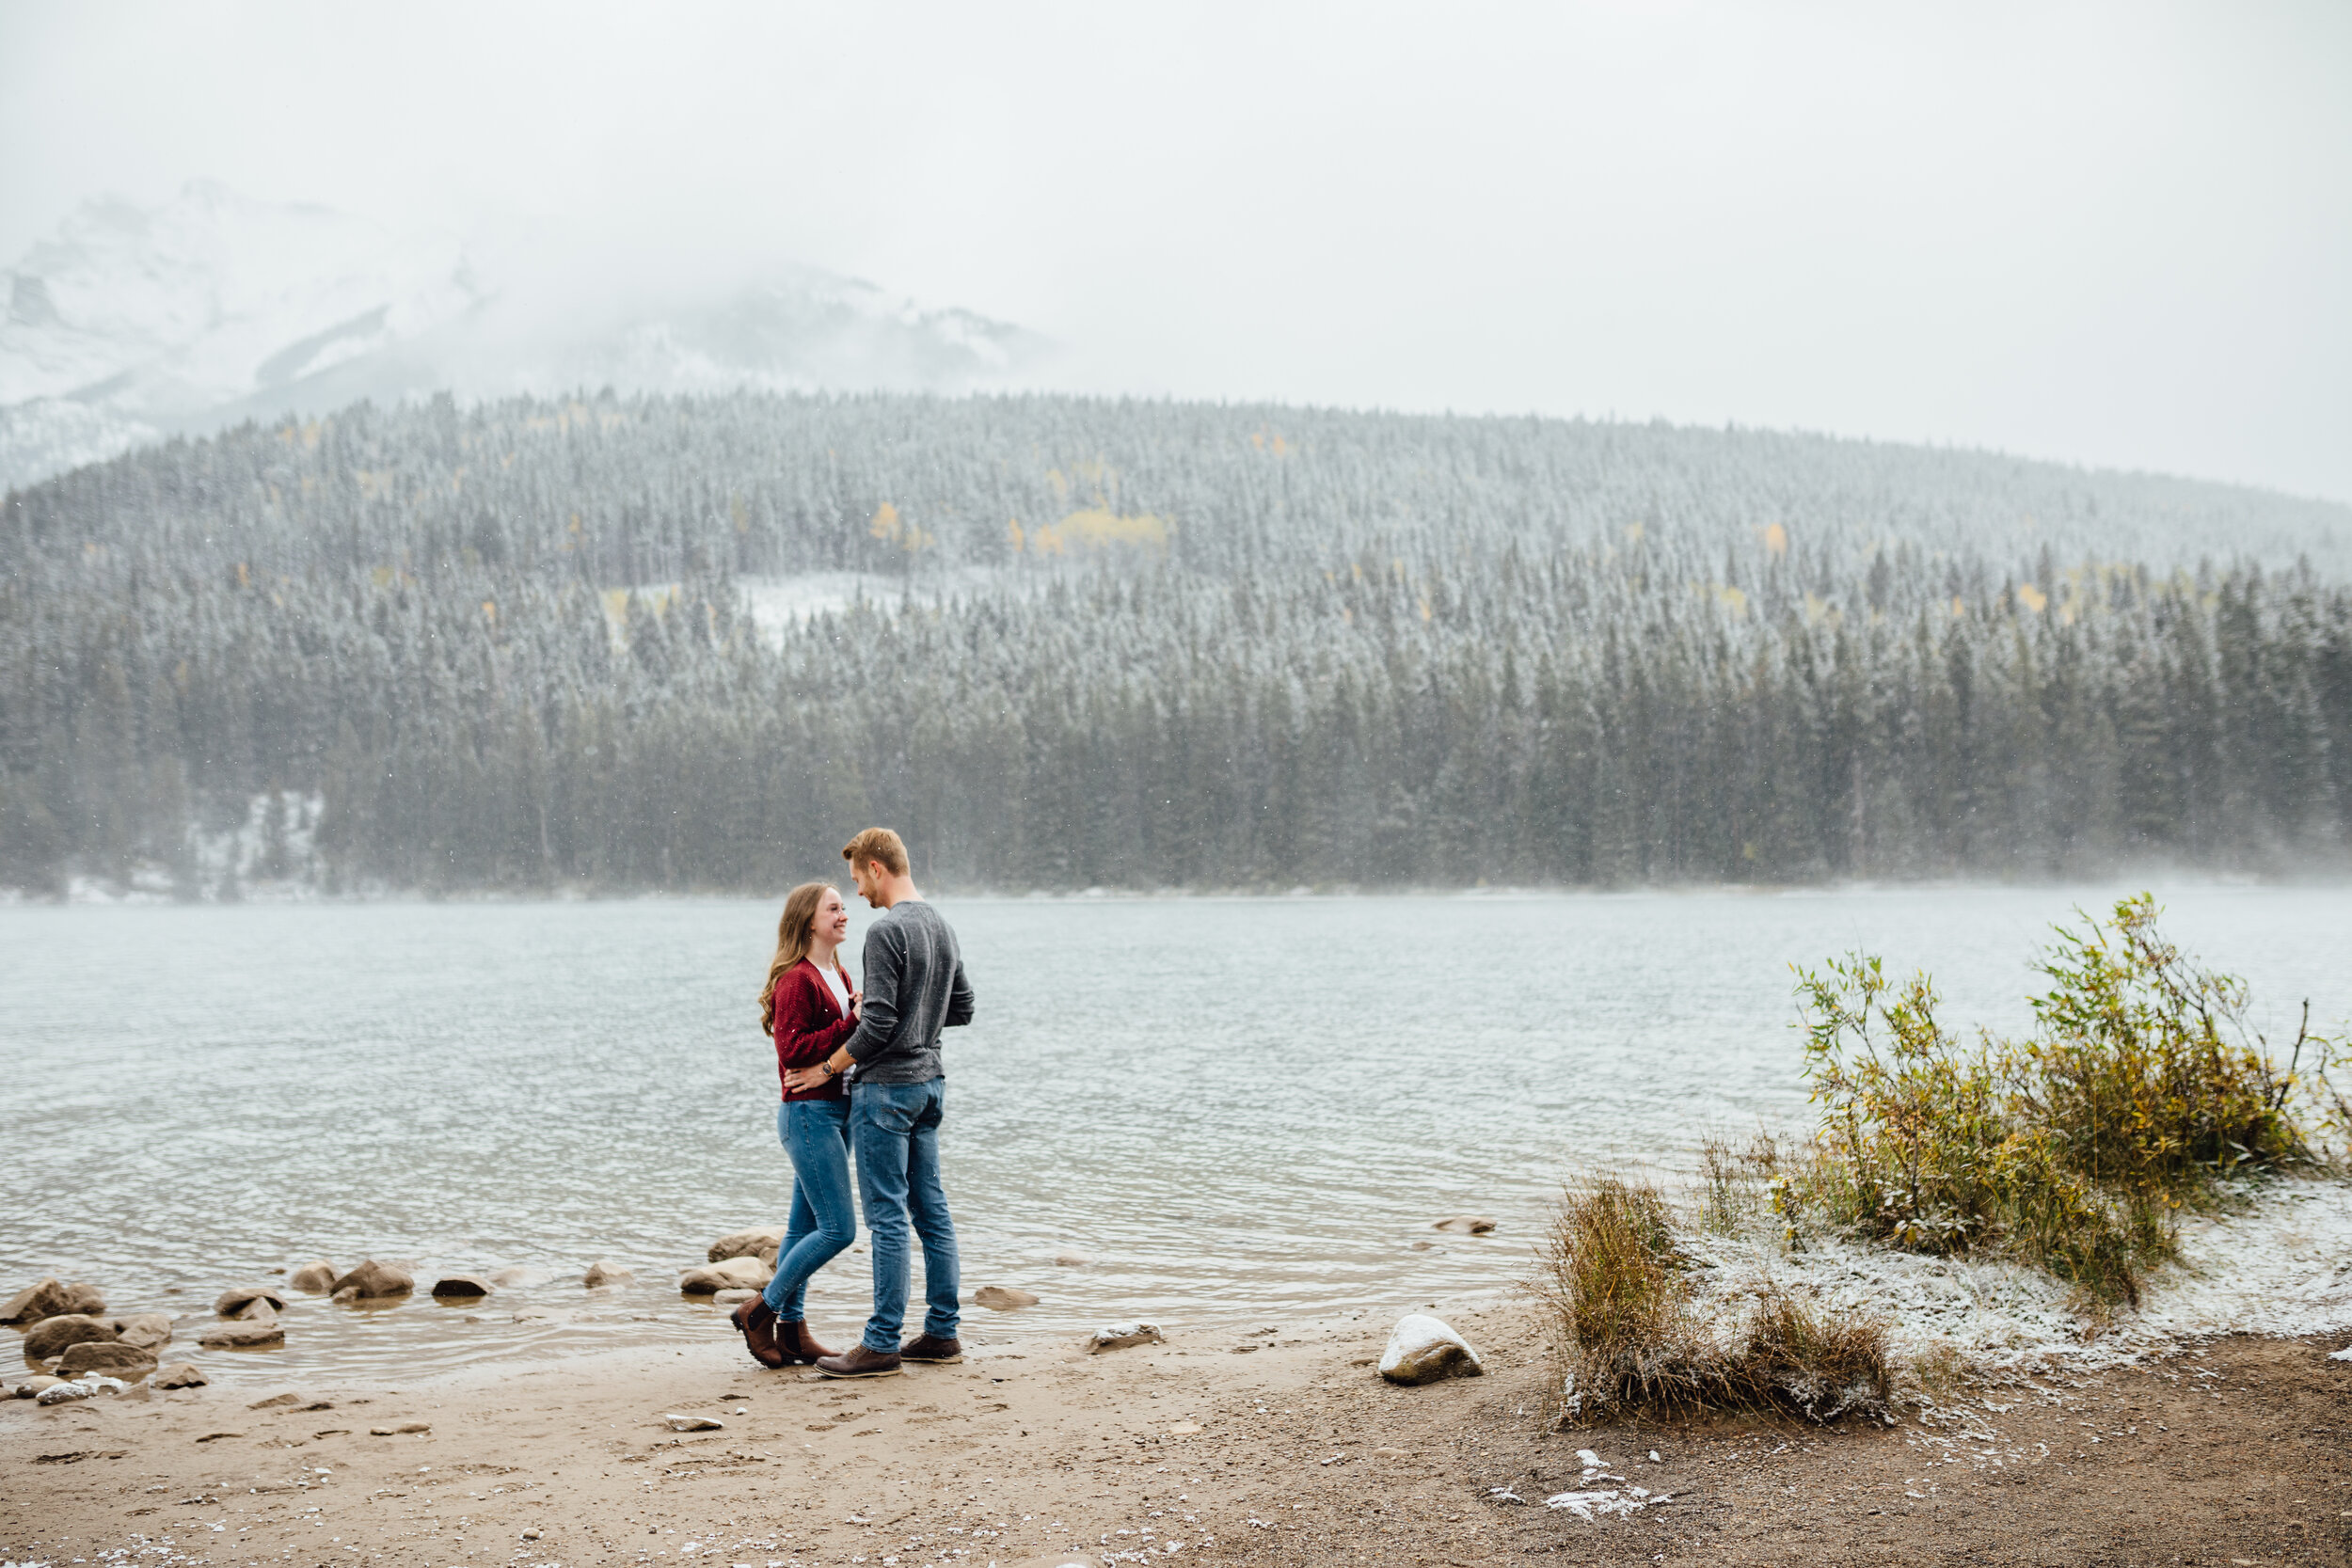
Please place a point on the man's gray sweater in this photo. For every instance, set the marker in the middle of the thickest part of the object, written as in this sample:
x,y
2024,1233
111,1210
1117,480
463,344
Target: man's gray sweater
x,y
915,988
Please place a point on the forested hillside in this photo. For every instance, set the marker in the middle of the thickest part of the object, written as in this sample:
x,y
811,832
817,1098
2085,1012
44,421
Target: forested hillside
x,y
1151,644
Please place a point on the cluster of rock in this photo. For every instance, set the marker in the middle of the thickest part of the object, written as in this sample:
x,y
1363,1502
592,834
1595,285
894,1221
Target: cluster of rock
x,y
69,1335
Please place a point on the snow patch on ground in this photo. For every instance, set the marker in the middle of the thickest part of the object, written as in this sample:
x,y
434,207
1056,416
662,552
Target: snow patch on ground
x,y
2281,1265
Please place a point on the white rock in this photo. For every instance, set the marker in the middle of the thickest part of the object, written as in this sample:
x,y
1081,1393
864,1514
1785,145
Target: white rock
x,y
1121,1336
60,1393
2343,1354
1421,1349
695,1424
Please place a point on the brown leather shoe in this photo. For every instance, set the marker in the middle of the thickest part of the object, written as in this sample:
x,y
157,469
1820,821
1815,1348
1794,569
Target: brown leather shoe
x,y
923,1347
860,1362
797,1342
757,1322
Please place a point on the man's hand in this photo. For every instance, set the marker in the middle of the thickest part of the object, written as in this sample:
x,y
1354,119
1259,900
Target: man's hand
x,y
800,1079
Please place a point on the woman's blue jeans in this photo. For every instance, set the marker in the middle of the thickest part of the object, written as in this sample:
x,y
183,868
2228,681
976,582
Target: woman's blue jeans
x,y
815,1133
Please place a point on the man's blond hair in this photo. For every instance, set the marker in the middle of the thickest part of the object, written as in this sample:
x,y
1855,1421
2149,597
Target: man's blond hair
x,y
877,847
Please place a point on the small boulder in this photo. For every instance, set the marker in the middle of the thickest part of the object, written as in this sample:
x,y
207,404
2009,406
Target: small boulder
x,y
374,1281
731,1274
46,1299
461,1287
85,1299
759,1244
32,1386
1073,1260
51,1336
1421,1349
180,1374
147,1330
62,1393
998,1298
314,1279
1465,1224
1122,1335
111,1356
233,1301
520,1274
243,1337
258,1310
601,1273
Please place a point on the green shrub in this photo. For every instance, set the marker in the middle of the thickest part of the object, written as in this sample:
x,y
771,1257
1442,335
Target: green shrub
x,y
2140,1093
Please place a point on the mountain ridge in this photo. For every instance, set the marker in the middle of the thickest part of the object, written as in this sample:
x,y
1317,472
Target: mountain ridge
x,y
131,324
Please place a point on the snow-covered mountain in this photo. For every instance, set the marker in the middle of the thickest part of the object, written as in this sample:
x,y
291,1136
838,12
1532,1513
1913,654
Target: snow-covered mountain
x,y
135,323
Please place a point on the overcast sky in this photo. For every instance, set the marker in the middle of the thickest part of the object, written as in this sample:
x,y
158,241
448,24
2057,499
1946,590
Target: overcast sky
x,y
2116,235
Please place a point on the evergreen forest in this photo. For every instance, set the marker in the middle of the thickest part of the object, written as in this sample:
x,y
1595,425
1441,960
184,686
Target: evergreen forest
x,y
610,643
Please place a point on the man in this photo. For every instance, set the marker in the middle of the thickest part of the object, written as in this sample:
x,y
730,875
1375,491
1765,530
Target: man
x,y
914,986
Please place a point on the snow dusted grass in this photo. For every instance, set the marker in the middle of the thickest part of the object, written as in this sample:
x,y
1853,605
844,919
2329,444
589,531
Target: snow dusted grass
x,y
2279,1262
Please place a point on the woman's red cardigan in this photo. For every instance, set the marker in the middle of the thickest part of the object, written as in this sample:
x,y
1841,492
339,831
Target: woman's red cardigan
x,y
810,1026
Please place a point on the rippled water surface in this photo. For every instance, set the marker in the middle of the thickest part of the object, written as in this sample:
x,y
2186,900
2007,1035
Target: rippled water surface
x,y
1241,1109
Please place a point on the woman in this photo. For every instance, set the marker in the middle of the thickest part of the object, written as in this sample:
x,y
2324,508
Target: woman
x,y
808,1007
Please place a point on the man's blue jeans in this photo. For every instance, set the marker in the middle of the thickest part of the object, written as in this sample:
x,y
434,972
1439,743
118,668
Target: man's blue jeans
x,y
815,1133
895,1130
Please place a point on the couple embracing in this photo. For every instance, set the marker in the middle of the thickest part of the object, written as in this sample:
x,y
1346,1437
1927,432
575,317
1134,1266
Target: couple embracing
x,y
862,1085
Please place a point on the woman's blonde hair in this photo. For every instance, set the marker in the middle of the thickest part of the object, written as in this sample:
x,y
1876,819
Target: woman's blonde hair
x,y
799,915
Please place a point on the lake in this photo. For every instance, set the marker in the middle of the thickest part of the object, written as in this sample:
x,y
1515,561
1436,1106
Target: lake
x,y
1244,1110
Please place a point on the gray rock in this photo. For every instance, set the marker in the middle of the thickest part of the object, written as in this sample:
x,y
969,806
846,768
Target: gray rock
x,y
761,1244
243,1337
374,1281
147,1330
601,1273
1423,1349
51,1336
461,1285
45,1299
731,1274
1123,1336
315,1279
111,1356
998,1298
85,1299
233,1301
180,1374
258,1310
1465,1224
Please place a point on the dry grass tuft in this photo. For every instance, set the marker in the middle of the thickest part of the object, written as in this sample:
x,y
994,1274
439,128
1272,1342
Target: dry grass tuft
x,y
1635,1335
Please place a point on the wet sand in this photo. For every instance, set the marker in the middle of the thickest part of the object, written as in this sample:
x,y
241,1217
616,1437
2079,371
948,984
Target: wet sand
x,y
1032,1452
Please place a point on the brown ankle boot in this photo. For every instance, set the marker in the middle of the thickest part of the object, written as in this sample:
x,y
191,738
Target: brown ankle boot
x,y
797,1342
758,1320
857,1361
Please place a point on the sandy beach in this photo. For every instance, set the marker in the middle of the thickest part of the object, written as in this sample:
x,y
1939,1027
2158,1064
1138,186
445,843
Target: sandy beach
x,y
1275,1446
